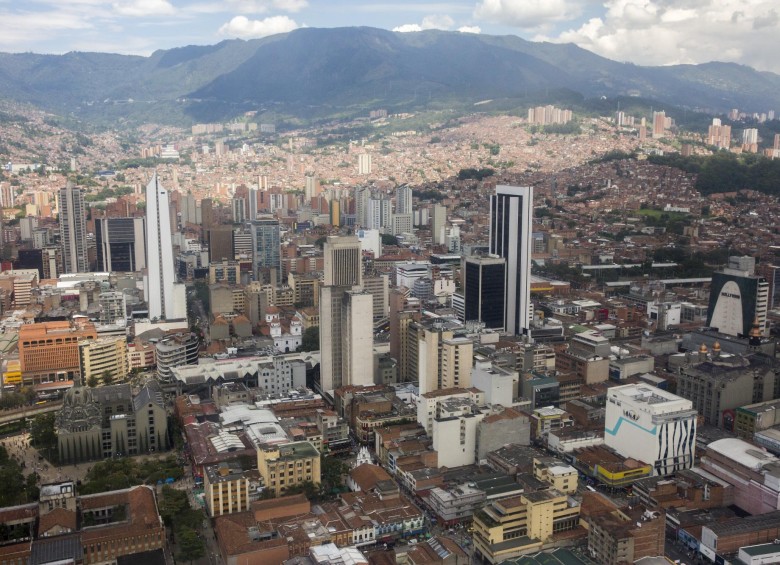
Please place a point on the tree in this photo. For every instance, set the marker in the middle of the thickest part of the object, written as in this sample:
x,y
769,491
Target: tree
x,y
92,381
108,377
311,339
388,239
191,546
42,433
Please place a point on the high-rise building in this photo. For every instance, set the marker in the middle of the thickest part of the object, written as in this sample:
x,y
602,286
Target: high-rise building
x,y
266,250
378,214
343,316
403,199
7,195
738,298
166,298
121,245
73,229
511,219
238,207
220,240
364,164
651,425
659,123
483,291
438,221
362,196
251,209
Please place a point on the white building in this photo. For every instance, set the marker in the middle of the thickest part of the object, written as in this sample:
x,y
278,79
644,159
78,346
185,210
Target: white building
x,y
364,164
651,425
455,432
166,298
357,340
370,240
498,384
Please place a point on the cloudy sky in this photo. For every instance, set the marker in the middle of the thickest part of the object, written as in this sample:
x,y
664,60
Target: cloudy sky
x,y
646,32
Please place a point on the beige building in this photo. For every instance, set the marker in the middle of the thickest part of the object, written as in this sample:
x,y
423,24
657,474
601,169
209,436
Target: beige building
x,y
283,466
105,355
226,488
457,356
522,524
561,476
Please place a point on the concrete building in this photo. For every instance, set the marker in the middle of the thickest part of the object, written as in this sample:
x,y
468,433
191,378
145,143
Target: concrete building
x,y
73,229
455,505
49,351
103,357
622,535
497,430
284,466
498,384
753,472
454,431
438,223
174,351
511,219
717,383
343,275
226,488
644,422
511,527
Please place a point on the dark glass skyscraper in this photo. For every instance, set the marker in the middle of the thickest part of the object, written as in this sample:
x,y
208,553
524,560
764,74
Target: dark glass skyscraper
x,y
121,244
511,218
484,291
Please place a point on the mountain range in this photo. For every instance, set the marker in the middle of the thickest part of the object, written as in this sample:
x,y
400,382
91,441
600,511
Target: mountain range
x,y
313,72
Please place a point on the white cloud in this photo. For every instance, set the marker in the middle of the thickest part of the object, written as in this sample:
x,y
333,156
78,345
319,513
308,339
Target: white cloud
x,y
428,22
243,27
144,8
408,28
660,32
470,29
246,6
527,14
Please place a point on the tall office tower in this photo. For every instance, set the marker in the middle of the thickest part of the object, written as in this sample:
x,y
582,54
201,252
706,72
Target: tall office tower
x,y
73,229
403,199
266,250
357,338
166,298
238,206
362,196
483,291
220,240
188,209
121,245
364,164
659,123
511,222
438,221
207,213
343,273
252,204
737,298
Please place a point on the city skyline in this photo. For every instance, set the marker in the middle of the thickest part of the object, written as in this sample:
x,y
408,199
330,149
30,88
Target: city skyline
x,y
646,33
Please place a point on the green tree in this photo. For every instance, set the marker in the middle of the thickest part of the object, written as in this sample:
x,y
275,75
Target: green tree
x,y
311,339
42,432
108,378
388,239
92,381
191,546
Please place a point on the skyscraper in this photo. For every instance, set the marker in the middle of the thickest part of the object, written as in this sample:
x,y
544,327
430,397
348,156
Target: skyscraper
x,y
166,298
266,249
737,298
511,219
403,200
438,221
73,230
483,290
121,245
342,317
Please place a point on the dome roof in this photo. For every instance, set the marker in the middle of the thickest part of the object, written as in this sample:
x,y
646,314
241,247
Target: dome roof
x,y
703,348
